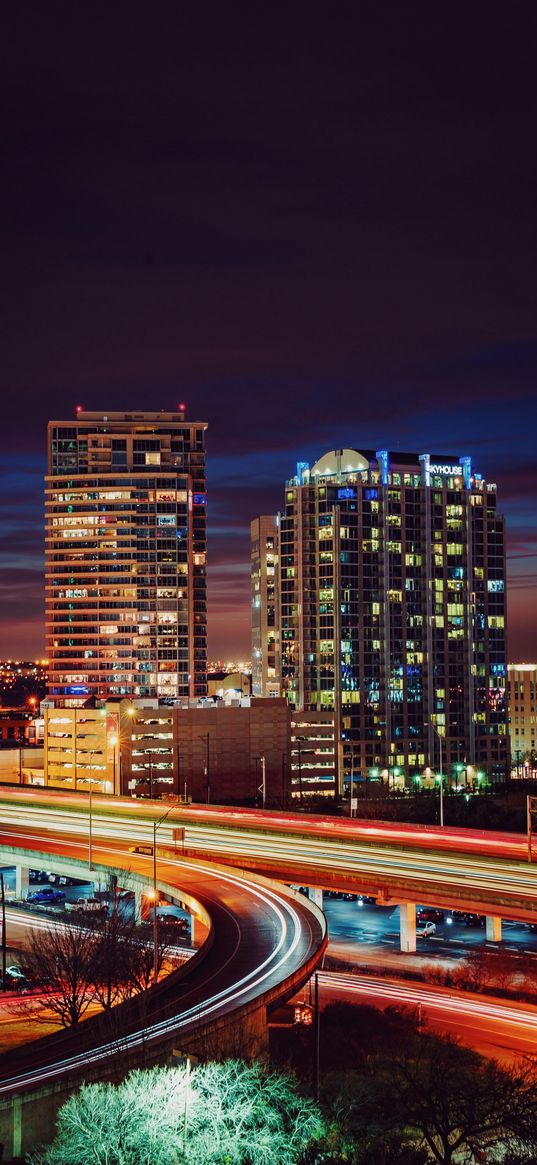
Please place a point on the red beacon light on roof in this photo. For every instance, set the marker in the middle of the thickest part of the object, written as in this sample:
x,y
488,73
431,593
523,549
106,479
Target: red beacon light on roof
x,y
79,408
181,408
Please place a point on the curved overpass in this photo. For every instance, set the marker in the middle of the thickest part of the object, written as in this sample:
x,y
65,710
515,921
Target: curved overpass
x,y
264,942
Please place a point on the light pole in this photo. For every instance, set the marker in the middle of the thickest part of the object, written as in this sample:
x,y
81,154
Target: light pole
x,y
441,777
181,756
262,788
90,790
206,736
299,742
155,896
114,741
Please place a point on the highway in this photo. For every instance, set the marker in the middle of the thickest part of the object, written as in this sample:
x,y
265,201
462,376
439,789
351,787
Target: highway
x,y
487,873
261,940
496,1028
425,865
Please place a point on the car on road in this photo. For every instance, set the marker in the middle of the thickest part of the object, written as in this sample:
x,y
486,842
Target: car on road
x,y
46,895
429,914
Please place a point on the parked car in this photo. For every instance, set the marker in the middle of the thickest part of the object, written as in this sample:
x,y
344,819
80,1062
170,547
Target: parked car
x,y
47,894
60,880
37,875
16,972
474,920
14,983
366,900
166,918
176,924
465,918
426,931
86,904
429,914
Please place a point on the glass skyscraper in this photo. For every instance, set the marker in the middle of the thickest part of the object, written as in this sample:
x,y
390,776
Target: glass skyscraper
x,y
126,556
392,613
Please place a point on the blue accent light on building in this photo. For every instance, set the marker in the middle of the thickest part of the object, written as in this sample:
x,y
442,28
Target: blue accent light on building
x,y
466,463
383,460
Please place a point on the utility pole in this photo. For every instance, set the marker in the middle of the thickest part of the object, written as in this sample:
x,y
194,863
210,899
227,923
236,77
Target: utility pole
x,y
435,729
317,1038
262,788
156,824
531,803
206,736
299,742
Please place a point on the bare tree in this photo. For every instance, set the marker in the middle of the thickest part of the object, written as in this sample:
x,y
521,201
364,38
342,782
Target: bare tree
x,y
459,1105
97,958
60,958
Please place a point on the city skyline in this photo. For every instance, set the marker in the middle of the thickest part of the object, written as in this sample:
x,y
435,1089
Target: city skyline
x,y
320,241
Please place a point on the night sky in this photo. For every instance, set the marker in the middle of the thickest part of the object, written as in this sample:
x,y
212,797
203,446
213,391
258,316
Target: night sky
x,y
317,235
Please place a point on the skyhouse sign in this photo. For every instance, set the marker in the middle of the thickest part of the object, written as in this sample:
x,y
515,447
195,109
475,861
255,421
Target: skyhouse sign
x,y
448,470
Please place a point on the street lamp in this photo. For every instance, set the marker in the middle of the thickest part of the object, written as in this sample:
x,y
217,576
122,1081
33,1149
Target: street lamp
x,y
89,782
299,742
155,894
262,788
114,741
182,756
395,773
206,736
440,777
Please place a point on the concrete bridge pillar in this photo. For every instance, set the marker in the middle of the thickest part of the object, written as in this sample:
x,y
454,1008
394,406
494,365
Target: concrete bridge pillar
x,y
22,881
198,931
315,894
493,930
138,904
16,1116
407,926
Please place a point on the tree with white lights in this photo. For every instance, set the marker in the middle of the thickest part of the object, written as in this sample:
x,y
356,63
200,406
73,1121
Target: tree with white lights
x,y
217,1114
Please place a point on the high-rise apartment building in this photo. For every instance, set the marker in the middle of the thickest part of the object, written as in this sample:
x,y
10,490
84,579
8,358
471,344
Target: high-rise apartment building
x,y
392,612
125,556
265,643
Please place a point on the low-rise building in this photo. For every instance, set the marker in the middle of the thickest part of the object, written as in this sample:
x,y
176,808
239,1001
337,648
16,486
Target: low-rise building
x,y
238,750
522,679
